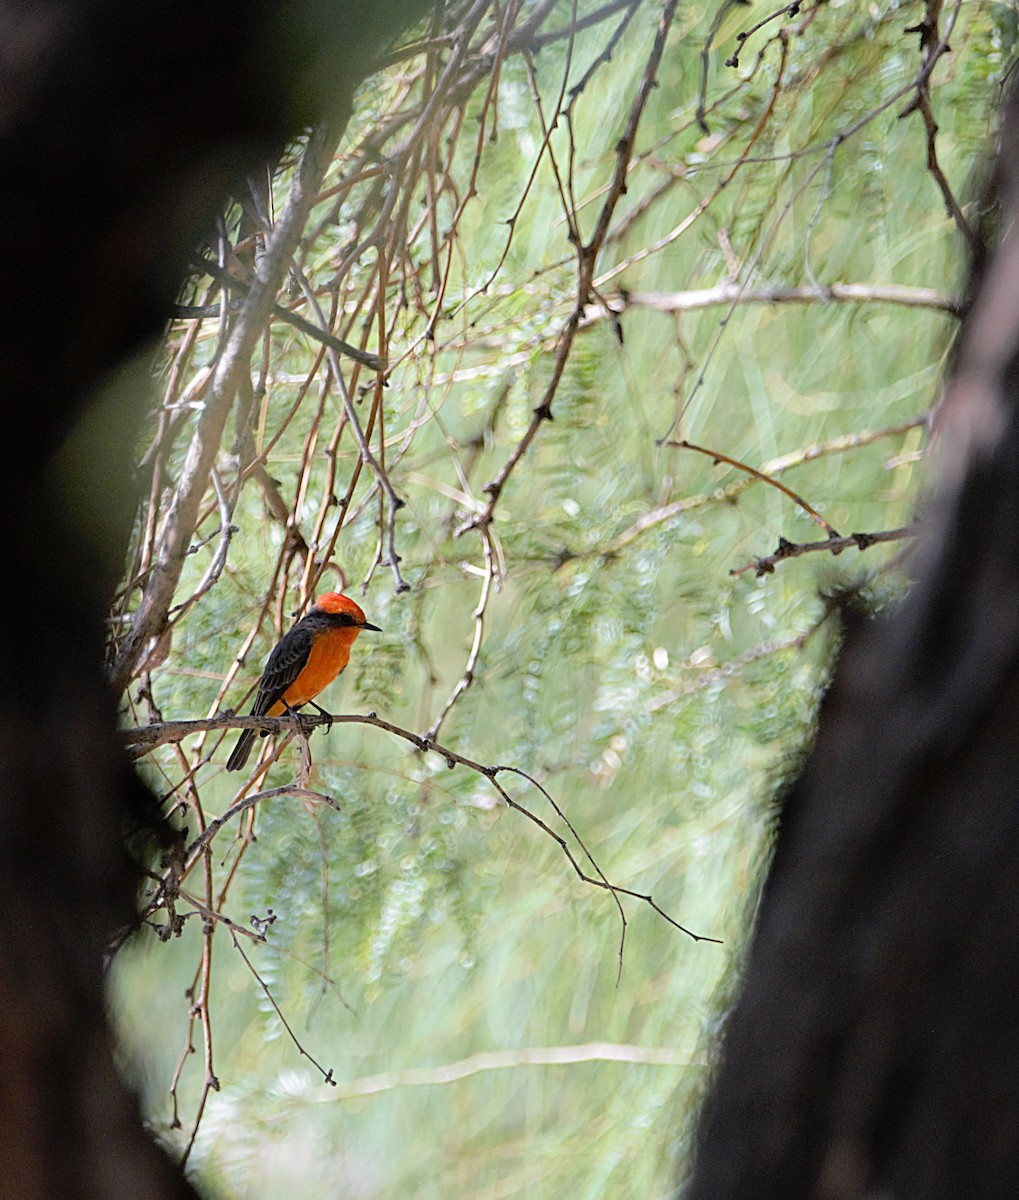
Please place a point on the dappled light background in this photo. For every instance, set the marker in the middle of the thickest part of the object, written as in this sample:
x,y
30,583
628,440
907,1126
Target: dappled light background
x,y
596,619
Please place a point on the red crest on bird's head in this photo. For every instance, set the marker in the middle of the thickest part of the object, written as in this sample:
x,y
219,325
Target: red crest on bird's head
x,y
333,602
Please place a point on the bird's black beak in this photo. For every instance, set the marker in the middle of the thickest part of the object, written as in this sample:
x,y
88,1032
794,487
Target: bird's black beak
x,y
369,625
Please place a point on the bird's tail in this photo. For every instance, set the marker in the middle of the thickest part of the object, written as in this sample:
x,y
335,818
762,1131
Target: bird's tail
x,y
239,754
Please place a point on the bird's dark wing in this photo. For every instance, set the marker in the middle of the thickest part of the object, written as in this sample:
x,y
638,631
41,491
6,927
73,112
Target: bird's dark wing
x,y
287,660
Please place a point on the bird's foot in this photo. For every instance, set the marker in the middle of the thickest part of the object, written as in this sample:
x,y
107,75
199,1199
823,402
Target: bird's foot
x,y
322,713
306,723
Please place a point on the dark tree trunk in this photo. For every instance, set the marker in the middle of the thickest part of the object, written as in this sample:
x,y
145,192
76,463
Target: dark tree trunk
x,y
122,127
873,1050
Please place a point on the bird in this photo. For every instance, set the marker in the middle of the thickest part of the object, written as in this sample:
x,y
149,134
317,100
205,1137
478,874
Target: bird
x,y
306,659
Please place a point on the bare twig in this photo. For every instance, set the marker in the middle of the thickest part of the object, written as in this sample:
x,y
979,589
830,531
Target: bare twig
x,y
834,545
787,10
729,293
175,731
374,362
478,616
716,24
395,503
932,47
327,1076
763,476
502,1060
587,258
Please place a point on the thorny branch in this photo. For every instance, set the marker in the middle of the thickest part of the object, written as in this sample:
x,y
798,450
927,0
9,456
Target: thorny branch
x,y
833,545
835,542
932,47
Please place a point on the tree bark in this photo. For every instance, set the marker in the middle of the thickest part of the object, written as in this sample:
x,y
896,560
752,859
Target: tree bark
x,y
123,127
872,1050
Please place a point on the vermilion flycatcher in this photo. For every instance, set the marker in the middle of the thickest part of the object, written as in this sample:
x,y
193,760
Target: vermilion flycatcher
x,y
305,660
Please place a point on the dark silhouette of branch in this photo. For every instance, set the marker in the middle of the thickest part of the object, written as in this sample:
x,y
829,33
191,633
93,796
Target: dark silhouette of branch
x,y
870,1051
787,10
721,13
148,116
327,1075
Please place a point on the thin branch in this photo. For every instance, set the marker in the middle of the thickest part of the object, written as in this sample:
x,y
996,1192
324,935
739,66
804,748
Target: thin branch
x,y
764,477
587,258
716,24
395,502
775,466
732,293
478,616
834,144
166,732
834,545
200,1009
932,47
787,10
503,1060
374,362
327,1076
203,840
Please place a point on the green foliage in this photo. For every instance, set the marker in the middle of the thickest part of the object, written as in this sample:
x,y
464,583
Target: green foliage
x,y
656,697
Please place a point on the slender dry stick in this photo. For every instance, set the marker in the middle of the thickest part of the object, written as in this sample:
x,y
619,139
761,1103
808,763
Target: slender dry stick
x,y
717,457
395,502
186,1052
499,1060
327,1076
220,918
716,24
703,205
587,257
834,144
210,1083
378,407
329,341
150,736
517,41
930,43
324,903
831,293
669,512
787,10
538,158
478,616
677,173
834,545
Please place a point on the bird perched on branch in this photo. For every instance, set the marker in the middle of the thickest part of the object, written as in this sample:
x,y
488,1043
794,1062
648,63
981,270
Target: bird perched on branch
x,y
305,660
